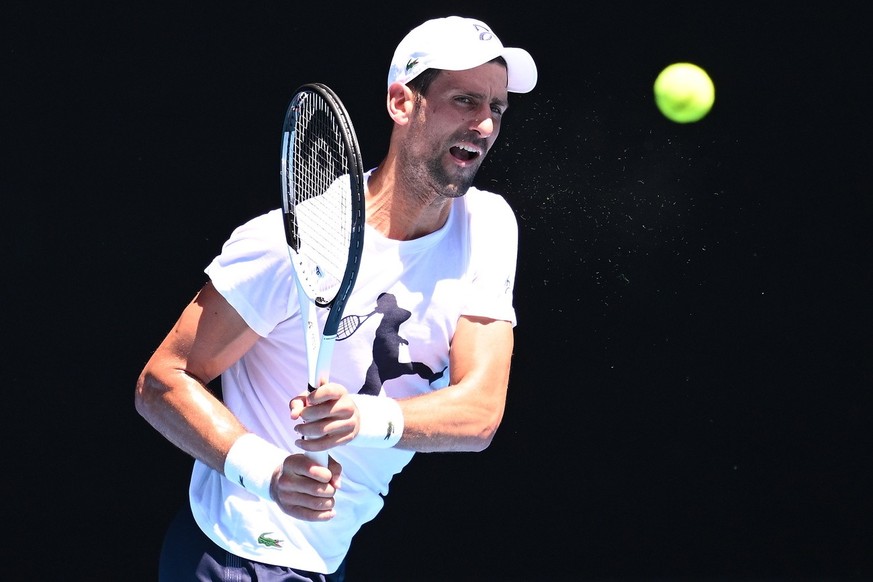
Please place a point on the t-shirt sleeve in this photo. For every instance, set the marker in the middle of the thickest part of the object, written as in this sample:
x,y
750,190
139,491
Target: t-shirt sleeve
x,y
253,273
494,251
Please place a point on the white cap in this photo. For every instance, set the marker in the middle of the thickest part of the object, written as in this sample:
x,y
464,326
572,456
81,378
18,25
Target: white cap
x,y
457,44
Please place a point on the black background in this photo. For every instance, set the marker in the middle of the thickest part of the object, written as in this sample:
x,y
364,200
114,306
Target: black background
x,y
690,391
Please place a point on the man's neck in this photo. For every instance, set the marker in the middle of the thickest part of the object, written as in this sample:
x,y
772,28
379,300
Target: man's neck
x,y
402,211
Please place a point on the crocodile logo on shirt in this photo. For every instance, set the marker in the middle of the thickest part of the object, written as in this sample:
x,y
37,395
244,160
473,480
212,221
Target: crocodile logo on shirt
x,y
268,541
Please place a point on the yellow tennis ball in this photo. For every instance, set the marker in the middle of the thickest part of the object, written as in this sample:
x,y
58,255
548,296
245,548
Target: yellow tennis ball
x,y
684,93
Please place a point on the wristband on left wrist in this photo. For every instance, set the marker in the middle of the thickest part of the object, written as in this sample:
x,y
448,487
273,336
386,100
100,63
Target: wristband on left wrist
x,y
381,421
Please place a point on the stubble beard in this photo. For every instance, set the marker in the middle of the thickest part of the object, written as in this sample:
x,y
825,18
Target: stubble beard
x,y
447,185
426,174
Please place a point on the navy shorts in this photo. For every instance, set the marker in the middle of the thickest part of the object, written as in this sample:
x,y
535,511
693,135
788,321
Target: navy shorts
x,y
188,554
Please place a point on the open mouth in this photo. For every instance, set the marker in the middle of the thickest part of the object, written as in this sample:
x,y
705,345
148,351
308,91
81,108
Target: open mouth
x,y
465,153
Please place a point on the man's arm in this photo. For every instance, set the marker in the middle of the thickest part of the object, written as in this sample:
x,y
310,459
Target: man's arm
x,y
172,395
465,415
171,392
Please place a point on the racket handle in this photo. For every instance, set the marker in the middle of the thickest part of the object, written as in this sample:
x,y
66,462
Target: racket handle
x,y
319,457
322,372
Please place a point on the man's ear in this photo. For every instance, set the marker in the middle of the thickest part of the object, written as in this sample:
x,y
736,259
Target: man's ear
x,y
400,102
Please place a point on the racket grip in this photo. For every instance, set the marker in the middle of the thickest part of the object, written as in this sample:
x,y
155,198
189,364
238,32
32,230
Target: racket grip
x,y
319,457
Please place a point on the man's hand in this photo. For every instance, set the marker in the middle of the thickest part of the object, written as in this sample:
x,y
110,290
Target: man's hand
x,y
330,418
304,489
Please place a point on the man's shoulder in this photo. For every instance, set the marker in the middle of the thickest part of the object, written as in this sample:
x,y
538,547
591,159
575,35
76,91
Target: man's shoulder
x,y
478,200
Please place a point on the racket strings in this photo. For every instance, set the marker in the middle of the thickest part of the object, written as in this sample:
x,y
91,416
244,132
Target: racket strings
x,y
322,196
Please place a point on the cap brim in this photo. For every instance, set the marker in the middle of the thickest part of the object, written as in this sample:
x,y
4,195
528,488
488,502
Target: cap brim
x,y
521,70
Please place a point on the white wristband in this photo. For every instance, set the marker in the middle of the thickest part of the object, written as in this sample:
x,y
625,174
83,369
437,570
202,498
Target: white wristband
x,y
381,421
251,462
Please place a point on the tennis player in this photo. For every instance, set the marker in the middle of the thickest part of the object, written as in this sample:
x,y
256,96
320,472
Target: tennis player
x,y
426,369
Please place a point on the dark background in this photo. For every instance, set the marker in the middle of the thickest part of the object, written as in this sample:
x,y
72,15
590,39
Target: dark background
x,y
691,385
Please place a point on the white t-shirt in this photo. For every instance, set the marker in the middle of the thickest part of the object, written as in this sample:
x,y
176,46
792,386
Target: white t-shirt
x,y
414,291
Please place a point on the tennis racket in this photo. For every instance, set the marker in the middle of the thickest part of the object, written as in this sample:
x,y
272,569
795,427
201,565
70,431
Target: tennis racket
x,y
323,210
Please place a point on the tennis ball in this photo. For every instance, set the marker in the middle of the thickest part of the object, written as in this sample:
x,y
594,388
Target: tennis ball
x,y
684,93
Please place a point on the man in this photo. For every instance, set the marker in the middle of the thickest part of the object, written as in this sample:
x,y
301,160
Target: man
x,y
427,371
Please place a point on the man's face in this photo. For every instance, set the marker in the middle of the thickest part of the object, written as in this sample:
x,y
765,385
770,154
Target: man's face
x,y
454,126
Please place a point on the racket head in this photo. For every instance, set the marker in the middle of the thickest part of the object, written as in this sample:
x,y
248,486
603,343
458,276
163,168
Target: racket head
x,y
322,197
